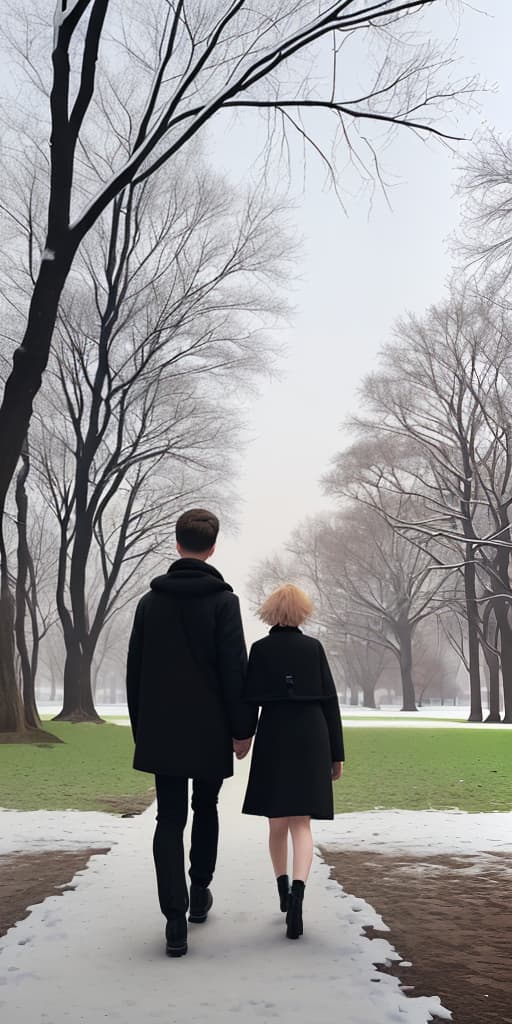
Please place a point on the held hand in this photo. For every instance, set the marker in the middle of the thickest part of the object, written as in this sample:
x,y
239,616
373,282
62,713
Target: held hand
x,y
241,748
337,770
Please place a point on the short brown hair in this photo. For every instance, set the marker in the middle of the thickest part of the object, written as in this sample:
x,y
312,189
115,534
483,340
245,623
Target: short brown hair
x,y
196,530
286,606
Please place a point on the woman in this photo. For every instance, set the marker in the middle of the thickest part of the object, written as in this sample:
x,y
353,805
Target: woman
x,y
298,749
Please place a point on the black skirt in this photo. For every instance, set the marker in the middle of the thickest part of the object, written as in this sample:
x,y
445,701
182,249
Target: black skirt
x,y
291,763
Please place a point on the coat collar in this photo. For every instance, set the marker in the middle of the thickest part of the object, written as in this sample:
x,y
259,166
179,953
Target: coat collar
x,y
285,629
190,577
194,565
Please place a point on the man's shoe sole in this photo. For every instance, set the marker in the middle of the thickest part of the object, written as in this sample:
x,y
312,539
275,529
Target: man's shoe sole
x,y
176,950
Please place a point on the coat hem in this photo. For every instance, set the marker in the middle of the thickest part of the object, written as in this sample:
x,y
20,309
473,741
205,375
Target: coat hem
x,y
290,814
185,774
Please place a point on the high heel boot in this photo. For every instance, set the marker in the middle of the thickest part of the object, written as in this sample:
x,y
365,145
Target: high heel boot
x,y
294,926
283,885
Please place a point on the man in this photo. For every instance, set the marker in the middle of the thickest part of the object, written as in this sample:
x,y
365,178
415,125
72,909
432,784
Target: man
x,y
186,669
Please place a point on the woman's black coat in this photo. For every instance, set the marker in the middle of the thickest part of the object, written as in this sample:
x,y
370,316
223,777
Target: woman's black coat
x,y
185,675
286,665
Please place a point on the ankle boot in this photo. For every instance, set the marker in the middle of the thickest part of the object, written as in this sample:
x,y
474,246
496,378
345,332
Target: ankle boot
x,y
201,902
176,936
294,926
283,885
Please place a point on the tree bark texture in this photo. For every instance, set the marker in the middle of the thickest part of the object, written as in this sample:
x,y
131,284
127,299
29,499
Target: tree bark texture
x,y
493,671
369,695
78,703
404,636
29,363
27,663
502,616
473,618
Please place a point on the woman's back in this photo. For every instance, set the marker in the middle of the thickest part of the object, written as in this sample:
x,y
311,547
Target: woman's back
x,y
288,665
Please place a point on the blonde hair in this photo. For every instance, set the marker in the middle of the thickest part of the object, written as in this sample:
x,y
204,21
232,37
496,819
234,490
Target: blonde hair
x,y
286,606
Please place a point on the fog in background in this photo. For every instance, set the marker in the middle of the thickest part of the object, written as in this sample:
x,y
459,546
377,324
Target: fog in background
x,y
357,272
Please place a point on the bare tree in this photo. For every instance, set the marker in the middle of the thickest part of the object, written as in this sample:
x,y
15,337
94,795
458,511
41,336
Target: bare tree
x,y
177,297
371,585
363,663
194,60
486,185
382,587
446,413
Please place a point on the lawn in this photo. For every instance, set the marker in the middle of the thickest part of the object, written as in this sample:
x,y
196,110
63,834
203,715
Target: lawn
x,y
348,715
90,771
386,768
419,769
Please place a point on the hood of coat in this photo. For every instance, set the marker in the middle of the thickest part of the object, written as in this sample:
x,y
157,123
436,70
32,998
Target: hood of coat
x,y
190,577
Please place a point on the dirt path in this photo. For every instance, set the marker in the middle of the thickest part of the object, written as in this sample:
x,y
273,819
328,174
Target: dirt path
x,y
450,916
28,878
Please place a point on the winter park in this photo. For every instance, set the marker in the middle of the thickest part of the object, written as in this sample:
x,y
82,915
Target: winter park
x,y
256,511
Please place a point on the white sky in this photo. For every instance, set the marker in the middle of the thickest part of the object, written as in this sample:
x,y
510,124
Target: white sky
x,y
358,274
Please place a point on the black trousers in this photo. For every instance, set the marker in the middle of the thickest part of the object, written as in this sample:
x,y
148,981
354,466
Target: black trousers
x,y
168,851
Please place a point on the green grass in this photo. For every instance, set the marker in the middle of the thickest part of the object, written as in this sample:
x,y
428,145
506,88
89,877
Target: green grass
x,y
89,771
386,768
398,718
418,769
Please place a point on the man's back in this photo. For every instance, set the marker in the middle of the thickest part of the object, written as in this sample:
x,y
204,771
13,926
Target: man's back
x,y
186,667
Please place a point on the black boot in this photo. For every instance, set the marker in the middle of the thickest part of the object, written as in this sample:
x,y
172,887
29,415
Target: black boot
x,y
201,901
176,936
294,927
283,885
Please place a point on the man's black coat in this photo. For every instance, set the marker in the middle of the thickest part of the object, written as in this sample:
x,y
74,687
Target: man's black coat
x,y
185,676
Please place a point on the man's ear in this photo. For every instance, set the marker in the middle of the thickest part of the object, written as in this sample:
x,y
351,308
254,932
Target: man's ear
x,y
179,549
211,551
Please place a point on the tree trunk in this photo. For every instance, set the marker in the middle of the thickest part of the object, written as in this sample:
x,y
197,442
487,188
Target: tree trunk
x,y
369,695
86,697
493,672
404,635
354,696
71,694
11,708
29,362
475,714
32,720
78,704
506,657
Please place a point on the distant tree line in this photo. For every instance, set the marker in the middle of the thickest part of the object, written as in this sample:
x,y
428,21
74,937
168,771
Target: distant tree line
x,y
420,543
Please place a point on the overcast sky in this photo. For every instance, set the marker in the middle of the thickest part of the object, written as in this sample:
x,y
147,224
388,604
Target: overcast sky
x,y
358,271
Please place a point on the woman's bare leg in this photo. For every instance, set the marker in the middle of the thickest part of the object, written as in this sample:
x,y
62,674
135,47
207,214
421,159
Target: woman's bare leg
x,y
302,839
278,844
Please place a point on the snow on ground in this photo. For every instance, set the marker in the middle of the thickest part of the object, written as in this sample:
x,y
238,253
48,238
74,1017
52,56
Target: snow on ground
x,y
418,723
445,711
418,832
35,831
96,953
390,716
445,717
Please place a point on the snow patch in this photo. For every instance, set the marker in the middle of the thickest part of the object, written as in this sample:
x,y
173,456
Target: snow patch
x,y
36,831
424,833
